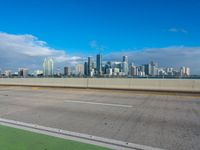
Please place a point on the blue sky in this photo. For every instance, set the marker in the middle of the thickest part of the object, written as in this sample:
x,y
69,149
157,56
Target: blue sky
x,y
85,27
115,24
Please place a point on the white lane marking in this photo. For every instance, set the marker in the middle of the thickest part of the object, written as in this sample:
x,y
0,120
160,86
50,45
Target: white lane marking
x,y
84,138
94,103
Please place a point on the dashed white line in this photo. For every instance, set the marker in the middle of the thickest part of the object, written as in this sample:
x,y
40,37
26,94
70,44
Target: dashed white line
x,y
103,104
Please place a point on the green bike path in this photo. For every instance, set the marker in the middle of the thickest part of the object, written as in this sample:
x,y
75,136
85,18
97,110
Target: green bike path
x,y
17,139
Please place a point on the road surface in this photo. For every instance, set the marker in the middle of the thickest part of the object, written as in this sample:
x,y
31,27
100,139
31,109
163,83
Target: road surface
x,y
168,121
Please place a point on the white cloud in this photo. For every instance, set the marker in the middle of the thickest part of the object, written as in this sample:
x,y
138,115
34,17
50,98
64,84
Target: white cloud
x,y
166,57
177,30
173,30
27,51
93,44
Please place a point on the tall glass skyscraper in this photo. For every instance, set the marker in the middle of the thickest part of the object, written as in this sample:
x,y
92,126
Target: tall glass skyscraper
x,y
89,66
48,66
99,64
125,59
125,68
86,68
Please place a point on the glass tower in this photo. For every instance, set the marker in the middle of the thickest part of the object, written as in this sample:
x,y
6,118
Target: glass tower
x,y
48,66
99,64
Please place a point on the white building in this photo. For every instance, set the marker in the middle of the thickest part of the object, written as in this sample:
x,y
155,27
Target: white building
x,y
134,71
79,69
48,67
109,71
8,73
38,73
116,71
125,68
185,71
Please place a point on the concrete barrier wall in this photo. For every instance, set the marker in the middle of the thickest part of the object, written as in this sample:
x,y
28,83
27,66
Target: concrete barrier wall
x,y
187,85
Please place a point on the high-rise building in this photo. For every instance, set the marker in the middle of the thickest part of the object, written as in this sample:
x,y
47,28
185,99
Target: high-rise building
x,y
151,69
154,69
8,73
141,70
147,69
23,72
109,71
90,66
48,66
107,67
86,69
116,71
134,71
99,64
125,59
185,71
124,64
79,69
67,71
169,71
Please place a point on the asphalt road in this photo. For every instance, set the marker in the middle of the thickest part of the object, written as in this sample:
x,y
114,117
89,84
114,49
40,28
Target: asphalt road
x,y
169,121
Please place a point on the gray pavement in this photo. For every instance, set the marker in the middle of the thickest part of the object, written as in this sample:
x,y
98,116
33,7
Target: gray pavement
x,y
158,120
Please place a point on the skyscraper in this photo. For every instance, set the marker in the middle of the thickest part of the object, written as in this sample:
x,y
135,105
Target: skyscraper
x,y
79,70
134,70
66,71
86,69
185,71
125,59
99,64
125,68
48,66
89,66
147,69
154,69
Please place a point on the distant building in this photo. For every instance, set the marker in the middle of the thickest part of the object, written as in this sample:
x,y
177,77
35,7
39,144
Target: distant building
x,y
86,69
154,69
99,64
116,71
134,71
38,73
67,71
124,65
125,59
116,64
106,68
185,71
90,67
141,71
151,69
109,71
79,69
8,73
23,72
147,69
48,67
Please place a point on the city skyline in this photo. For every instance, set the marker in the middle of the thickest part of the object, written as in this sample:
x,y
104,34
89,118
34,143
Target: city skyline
x,y
69,31
100,68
